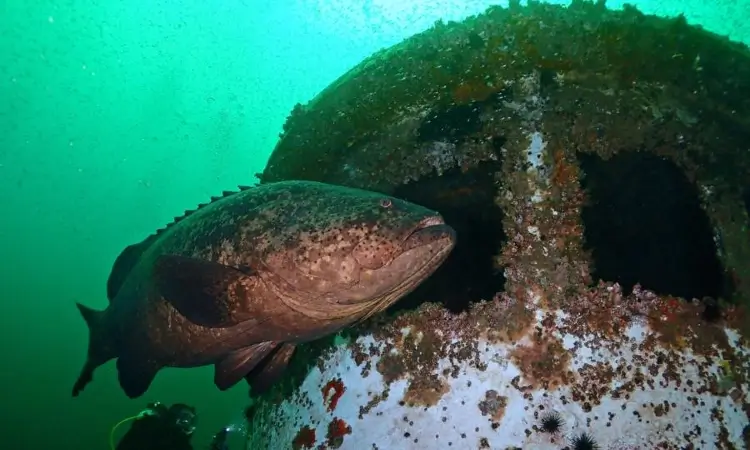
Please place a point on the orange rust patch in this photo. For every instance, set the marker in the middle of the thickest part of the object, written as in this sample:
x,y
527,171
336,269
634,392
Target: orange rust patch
x,y
563,171
425,391
507,323
332,392
678,324
305,438
417,357
337,429
601,312
544,363
391,367
420,348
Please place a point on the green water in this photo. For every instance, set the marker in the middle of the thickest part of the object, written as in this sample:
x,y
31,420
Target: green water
x,y
116,116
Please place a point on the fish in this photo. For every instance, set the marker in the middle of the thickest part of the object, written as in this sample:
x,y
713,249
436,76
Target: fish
x,y
243,280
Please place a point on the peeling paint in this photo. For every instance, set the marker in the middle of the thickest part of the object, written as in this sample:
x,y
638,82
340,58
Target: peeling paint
x,y
332,392
536,150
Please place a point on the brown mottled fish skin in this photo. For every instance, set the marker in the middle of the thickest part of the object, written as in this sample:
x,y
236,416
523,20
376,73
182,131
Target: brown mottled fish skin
x,y
242,280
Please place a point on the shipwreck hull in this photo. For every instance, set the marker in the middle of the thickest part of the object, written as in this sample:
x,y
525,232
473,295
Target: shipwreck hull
x,y
595,166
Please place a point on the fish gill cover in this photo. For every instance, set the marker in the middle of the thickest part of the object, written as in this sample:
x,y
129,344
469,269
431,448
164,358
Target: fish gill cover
x,y
593,162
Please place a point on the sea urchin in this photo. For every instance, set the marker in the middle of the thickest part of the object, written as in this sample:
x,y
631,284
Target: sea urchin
x,y
551,422
584,442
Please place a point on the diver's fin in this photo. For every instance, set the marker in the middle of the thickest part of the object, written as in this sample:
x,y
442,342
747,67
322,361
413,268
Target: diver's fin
x,y
205,292
136,374
98,352
123,265
265,374
234,367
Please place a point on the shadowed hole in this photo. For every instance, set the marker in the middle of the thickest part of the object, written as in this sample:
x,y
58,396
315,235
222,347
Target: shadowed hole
x,y
644,224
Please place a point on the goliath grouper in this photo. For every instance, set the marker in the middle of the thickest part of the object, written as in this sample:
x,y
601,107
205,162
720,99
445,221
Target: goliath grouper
x,y
241,281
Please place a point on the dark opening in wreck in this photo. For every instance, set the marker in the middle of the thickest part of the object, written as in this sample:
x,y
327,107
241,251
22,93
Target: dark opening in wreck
x,y
643,223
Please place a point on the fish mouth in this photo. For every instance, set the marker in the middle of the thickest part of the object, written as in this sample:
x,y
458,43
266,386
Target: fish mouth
x,y
430,230
424,249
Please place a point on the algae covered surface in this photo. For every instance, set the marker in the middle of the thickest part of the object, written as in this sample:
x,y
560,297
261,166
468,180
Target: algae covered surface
x,y
594,83
601,157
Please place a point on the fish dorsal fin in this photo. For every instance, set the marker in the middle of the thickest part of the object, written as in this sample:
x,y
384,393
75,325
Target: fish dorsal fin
x,y
188,212
123,265
132,253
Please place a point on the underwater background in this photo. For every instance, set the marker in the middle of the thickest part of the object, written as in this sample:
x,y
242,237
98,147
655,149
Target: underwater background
x,y
115,117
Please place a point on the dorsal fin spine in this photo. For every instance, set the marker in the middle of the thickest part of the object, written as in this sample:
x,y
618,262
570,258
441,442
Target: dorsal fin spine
x,y
188,212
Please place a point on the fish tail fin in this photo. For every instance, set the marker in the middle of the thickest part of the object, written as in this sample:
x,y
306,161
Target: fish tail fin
x,y
98,352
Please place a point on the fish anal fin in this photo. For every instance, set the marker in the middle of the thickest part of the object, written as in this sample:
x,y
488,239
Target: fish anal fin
x,y
265,374
206,293
233,368
136,374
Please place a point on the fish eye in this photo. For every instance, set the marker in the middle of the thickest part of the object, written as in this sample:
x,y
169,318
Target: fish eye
x,y
386,203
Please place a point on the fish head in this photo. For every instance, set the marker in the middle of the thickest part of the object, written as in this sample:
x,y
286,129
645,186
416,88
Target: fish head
x,y
350,253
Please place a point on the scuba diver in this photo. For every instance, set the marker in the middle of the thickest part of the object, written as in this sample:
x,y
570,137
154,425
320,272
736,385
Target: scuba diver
x,y
158,427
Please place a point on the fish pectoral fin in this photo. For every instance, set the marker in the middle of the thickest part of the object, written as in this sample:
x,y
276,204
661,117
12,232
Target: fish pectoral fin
x,y
265,374
135,374
234,367
206,293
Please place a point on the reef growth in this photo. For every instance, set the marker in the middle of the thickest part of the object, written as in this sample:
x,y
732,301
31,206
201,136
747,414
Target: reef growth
x,y
594,164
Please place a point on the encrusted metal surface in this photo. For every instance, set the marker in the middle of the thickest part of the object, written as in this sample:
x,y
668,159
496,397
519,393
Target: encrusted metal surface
x,y
432,380
534,90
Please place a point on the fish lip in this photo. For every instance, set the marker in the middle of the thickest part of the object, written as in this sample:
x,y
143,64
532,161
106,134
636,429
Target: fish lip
x,y
429,222
428,230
